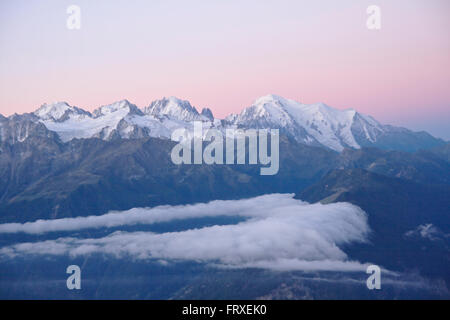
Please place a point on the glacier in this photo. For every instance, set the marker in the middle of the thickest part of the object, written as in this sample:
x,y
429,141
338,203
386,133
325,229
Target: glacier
x,y
312,124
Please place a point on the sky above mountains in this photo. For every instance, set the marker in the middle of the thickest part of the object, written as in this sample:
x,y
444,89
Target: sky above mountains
x,y
224,54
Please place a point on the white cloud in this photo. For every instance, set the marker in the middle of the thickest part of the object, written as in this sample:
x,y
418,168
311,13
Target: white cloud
x,y
427,231
281,233
254,207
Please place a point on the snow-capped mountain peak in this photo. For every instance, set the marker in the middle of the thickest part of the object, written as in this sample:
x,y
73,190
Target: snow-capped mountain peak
x,y
124,107
53,111
121,119
59,112
267,110
174,108
270,98
313,124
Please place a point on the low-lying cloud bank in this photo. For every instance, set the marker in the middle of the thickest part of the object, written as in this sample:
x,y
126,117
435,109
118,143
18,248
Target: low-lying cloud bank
x,y
255,207
281,233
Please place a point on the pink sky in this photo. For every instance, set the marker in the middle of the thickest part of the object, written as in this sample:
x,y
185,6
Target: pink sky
x,y
225,54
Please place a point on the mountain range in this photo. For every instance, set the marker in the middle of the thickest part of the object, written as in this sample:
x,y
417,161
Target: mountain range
x,y
313,125
61,161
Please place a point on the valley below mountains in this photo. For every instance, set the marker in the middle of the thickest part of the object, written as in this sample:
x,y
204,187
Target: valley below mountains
x,y
64,162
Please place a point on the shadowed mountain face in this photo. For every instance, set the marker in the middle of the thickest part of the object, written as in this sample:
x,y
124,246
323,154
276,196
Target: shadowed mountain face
x,y
410,221
442,152
404,204
93,176
422,166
